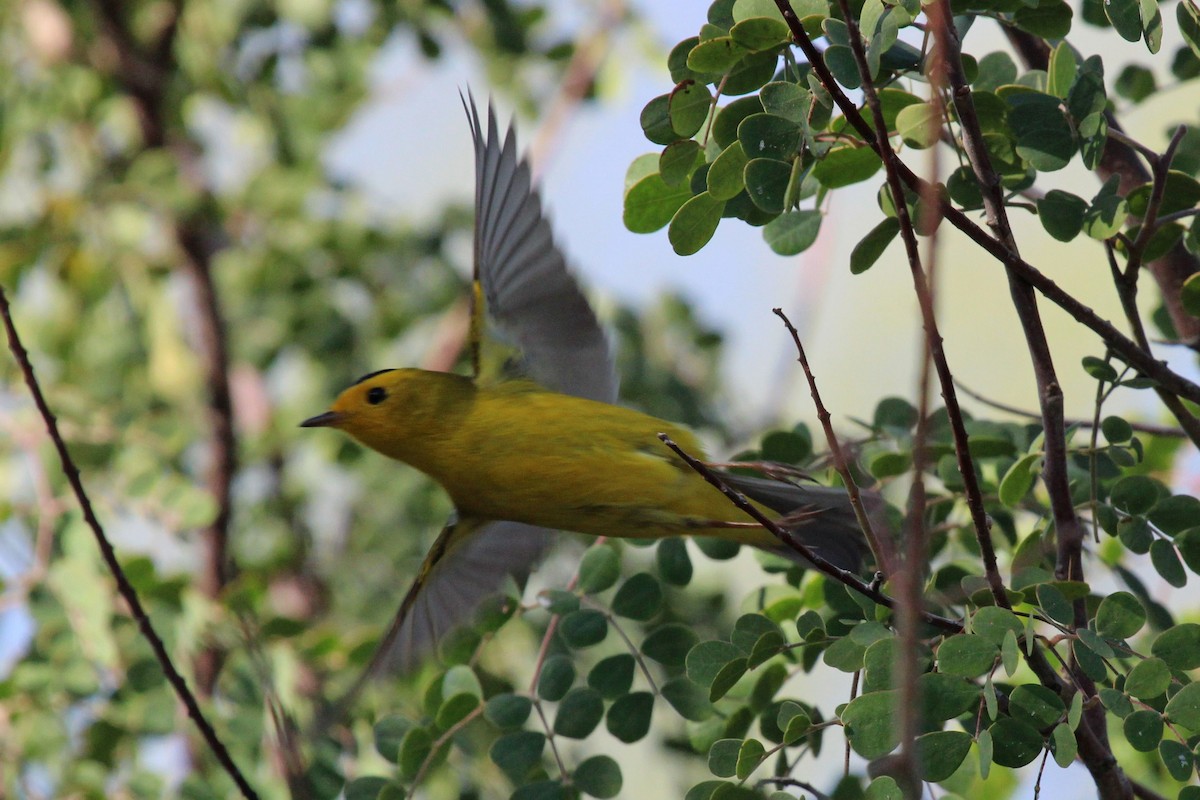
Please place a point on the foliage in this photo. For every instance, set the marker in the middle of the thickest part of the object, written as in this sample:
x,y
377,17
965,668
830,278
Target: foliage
x,y
147,276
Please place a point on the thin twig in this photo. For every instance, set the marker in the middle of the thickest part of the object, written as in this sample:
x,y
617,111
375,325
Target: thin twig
x,y
1140,427
124,587
845,577
883,548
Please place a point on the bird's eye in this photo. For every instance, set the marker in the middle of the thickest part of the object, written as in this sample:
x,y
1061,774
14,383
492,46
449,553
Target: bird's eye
x,y
376,395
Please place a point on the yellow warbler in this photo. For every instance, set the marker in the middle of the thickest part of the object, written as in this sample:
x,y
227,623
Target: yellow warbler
x,y
539,446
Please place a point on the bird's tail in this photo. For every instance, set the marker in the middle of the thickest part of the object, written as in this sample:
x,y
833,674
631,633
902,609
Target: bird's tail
x,y
825,519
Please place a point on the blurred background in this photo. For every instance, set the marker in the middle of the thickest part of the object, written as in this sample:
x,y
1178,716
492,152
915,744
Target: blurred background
x,y
214,214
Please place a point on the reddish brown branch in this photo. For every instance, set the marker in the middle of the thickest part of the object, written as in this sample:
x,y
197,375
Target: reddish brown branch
x,y
144,70
124,587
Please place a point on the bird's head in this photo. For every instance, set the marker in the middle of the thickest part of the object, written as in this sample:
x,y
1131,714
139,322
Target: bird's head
x,y
393,410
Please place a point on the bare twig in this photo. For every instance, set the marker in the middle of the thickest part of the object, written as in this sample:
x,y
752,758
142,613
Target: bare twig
x,y
1140,427
883,548
845,577
124,587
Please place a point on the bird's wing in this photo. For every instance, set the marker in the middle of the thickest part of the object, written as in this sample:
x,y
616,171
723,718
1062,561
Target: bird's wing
x,y
470,561
522,283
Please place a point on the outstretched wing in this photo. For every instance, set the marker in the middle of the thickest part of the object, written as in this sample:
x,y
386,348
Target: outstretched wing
x,y
469,562
522,283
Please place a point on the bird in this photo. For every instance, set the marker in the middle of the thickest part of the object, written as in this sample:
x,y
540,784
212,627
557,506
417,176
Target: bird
x,y
534,441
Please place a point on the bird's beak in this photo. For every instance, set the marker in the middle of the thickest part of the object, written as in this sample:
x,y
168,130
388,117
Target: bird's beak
x,y
329,419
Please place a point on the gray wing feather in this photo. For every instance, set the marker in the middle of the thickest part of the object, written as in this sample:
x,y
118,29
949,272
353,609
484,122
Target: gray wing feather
x,y
470,570
530,294
832,531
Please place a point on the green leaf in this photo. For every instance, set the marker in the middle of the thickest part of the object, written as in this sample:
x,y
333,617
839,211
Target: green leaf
x,y
688,699
1063,745
612,676
1042,133
674,564
639,598
414,749
368,788
1188,543
1135,83
1055,604
540,790
986,750
517,753
769,136
579,712
507,711
598,776
723,757
629,716
792,232
455,709
695,223
1172,515
715,55
1035,705
1144,730
1166,562
1120,616
558,673
870,723
558,601
767,182
651,203
919,125
1018,480
940,753
966,655
1107,212
759,33
389,733
678,161
1126,18
688,108
750,755
670,644
725,176
726,679
1184,707
1116,702
1178,760
788,100
843,166
1062,214
794,720
995,70
992,622
599,569
725,126
656,121
871,246
706,660
1062,70
1188,17
1135,494
1152,24
1049,20
583,628
1014,743
1189,295
1148,679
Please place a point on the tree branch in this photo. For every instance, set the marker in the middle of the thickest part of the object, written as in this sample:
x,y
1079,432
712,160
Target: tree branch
x,y
124,587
